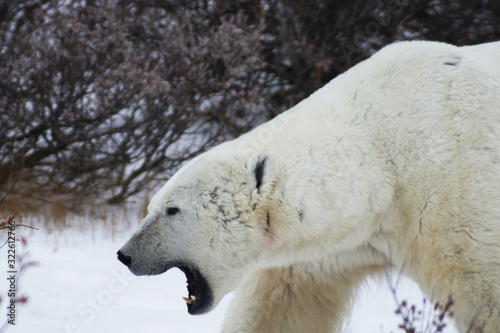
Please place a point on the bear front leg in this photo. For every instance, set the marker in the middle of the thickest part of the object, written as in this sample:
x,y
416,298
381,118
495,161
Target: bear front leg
x,y
300,298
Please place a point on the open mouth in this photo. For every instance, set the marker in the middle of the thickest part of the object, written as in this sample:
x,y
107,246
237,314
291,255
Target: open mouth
x,y
200,297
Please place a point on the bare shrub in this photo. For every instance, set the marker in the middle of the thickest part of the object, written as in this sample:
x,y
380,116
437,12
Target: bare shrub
x,y
99,97
105,95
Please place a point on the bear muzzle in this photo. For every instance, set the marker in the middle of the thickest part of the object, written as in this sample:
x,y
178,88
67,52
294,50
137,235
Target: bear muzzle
x,y
200,296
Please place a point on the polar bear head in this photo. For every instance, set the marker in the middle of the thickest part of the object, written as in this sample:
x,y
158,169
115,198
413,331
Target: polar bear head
x,y
213,220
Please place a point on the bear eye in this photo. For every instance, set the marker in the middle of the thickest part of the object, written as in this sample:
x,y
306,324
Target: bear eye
x,y
172,211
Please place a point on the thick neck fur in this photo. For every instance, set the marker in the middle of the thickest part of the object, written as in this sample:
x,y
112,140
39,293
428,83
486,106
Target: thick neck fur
x,y
355,184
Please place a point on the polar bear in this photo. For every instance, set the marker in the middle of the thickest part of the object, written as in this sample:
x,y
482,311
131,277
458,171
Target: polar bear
x,y
394,164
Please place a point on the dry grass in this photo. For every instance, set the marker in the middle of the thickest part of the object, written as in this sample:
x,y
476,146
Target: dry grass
x,y
55,212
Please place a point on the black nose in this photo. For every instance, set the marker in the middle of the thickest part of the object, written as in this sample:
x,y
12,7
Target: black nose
x,y
124,259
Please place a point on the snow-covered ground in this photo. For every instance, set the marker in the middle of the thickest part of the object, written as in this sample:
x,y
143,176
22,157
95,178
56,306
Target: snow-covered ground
x,y
79,286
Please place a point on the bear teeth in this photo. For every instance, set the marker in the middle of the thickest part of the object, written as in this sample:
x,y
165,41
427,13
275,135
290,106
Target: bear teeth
x,y
189,300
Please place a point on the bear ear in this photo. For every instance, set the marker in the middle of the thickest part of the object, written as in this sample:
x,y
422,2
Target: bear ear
x,y
259,172
262,172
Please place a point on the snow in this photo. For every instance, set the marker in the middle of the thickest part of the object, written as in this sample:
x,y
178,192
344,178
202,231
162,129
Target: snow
x,y
80,286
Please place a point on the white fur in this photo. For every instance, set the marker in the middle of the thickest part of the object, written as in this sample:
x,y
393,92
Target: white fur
x,y
393,165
